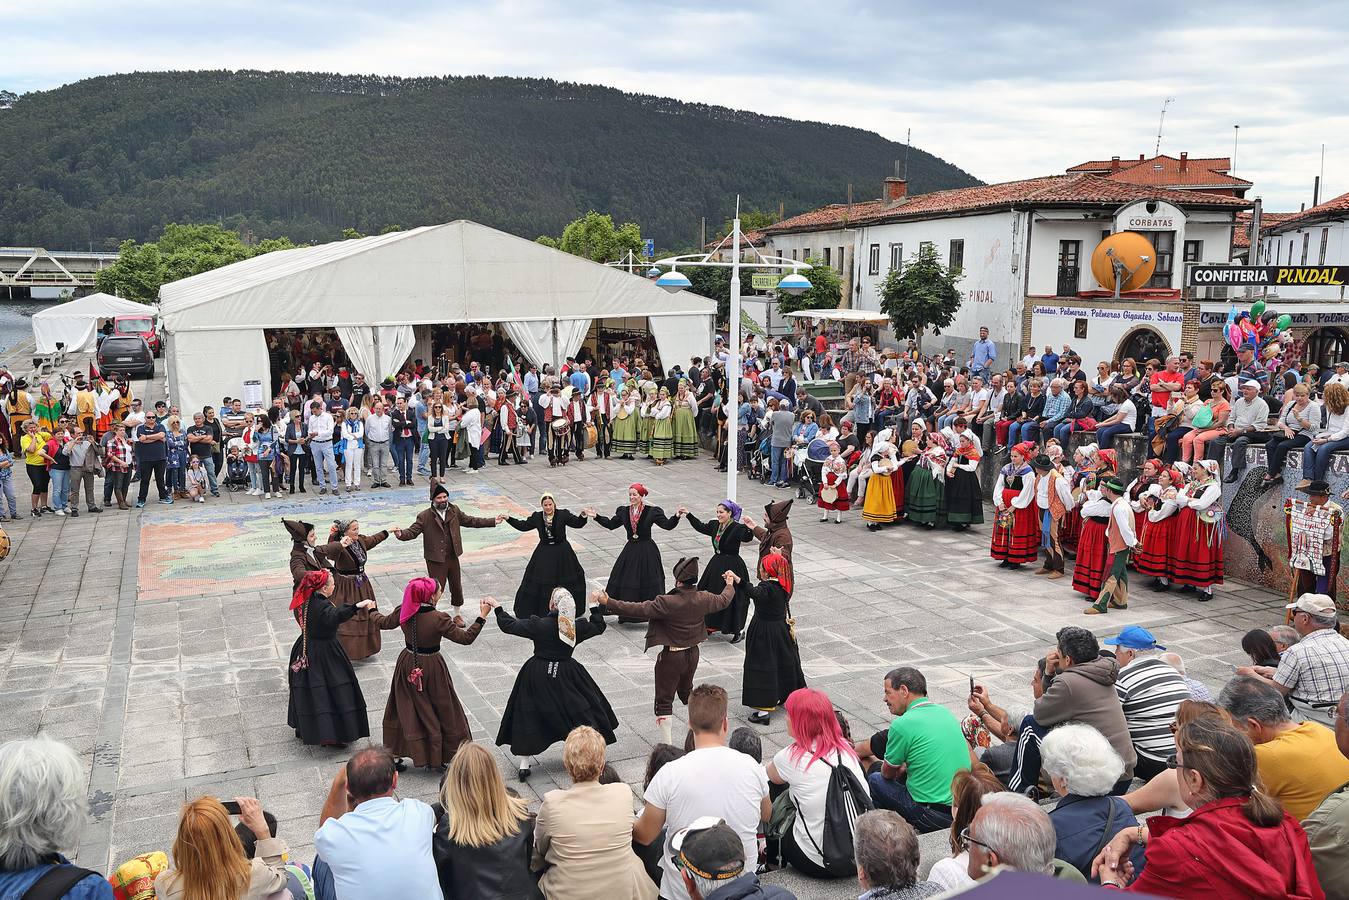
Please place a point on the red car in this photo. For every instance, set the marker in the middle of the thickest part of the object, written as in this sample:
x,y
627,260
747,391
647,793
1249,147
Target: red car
x,y
141,326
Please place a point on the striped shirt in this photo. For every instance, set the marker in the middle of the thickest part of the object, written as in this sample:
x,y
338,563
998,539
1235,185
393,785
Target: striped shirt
x,y
1150,690
1316,668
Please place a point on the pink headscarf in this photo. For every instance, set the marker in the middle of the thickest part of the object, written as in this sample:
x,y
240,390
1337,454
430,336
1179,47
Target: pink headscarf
x,y
418,591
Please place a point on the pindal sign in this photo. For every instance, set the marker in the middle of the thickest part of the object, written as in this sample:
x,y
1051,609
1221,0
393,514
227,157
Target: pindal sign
x,y
1269,276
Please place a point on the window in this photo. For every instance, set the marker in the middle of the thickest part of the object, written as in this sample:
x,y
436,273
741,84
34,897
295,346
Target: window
x,y
826,256
874,260
805,254
1325,239
1070,268
1194,251
839,261
956,258
1306,245
924,246
793,253
1278,253
896,256
1290,251
1164,242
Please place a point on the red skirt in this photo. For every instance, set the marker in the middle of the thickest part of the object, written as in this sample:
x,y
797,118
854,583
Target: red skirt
x,y
1196,557
1092,556
1016,532
1154,551
897,482
1070,527
839,483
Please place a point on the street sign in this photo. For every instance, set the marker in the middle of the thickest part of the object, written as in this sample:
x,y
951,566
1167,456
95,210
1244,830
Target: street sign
x,y
1269,276
649,248
764,281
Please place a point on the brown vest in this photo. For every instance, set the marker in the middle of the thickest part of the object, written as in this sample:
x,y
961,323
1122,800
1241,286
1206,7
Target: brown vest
x,y
1114,540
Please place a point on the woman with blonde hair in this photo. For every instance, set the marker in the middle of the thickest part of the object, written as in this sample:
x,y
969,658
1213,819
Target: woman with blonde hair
x,y
209,861
485,837
1329,440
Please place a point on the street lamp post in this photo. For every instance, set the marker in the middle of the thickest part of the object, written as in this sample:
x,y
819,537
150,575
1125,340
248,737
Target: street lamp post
x,y
793,283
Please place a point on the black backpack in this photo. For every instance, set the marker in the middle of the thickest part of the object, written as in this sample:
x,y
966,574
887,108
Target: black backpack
x,y
846,799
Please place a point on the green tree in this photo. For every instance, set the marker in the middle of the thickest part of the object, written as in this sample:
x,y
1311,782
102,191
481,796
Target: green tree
x,y
714,283
181,251
826,290
351,234
594,237
922,295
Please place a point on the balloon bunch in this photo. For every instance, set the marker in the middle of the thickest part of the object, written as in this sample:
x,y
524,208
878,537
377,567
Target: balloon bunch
x,y
1264,330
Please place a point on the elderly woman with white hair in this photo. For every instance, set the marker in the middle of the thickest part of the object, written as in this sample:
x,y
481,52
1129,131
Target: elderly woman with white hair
x,y
42,812
1083,768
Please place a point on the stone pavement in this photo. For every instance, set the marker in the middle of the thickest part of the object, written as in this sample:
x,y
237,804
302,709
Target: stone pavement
x,y
170,693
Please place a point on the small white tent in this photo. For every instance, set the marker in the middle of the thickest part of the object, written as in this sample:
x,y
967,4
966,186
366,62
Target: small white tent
x,y
75,324
374,290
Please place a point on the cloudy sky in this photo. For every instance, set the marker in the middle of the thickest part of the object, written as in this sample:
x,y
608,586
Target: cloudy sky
x,y
1004,90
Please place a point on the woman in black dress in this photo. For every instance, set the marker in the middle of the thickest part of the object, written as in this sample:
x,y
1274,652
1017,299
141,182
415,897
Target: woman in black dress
x,y
772,657
554,563
637,574
728,535
553,692
326,703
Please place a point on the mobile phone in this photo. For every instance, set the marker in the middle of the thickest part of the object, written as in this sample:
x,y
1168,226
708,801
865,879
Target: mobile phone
x,y
231,806
971,685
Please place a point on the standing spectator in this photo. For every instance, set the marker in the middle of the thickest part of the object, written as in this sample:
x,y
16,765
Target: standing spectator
x,y
983,355
118,456
886,848
175,455
711,781
1164,385
779,423
378,431
209,860
321,427
217,444
296,447
1149,691
1314,672
265,446
1084,769
353,449
11,511
58,452
84,465
151,452
200,440
420,405
403,425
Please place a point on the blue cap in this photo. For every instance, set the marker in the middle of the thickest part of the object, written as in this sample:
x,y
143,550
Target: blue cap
x,y
1135,637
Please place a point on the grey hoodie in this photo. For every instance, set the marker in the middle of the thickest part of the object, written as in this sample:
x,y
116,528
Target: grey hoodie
x,y
1086,693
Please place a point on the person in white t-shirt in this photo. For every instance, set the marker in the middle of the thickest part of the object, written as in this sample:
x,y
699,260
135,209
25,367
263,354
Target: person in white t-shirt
x,y
806,766
712,780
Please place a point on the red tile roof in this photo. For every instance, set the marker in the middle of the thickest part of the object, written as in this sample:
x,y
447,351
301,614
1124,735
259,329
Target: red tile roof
x,y
1212,164
1165,171
1050,190
1336,207
1241,237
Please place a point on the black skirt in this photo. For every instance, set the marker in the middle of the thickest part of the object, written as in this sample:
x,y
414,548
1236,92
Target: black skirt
x,y
550,698
326,703
637,575
772,664
731,619
552,566
964,499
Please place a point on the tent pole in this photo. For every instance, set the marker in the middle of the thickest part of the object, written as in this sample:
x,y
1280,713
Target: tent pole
x,y
557,363
374,330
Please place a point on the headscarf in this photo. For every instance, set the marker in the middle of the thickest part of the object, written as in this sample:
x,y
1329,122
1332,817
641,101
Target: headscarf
x,y
308,585
1210,466
547,496
1025,449
417,592
1184,469
733,508
777,569
1107,457
639,488
565,604
340,527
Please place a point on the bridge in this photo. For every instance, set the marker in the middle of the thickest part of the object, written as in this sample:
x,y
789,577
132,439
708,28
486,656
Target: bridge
x,y
30,267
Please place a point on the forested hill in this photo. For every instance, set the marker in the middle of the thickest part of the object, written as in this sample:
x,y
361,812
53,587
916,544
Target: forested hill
x,y
305,155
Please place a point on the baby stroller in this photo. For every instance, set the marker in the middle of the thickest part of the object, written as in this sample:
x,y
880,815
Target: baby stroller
x,y
808,471
236,474
760,456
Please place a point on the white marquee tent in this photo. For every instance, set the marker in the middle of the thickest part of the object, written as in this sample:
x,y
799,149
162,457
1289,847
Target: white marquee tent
x,y
75,324
374,290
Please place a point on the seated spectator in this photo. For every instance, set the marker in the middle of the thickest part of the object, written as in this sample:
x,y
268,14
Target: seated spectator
x,y
1327,826
1258,644
1084,769
1162,793
583,835
1314,672
299,878
652,853
1238,842
1299,764
484,840
209,860
43,809
1149,691
746,740
1198,690
910,765
1012,830
368,843
807,766
968,790
1284,636
709,858
710,781
886,848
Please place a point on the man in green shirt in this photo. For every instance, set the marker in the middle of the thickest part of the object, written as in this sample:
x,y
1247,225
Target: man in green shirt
x,y
910,765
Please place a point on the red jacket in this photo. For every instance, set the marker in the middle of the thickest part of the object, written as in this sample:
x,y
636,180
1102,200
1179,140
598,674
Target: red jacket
x,y
1217,854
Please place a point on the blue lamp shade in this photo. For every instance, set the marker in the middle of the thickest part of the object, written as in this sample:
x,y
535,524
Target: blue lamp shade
x,y
795,283
653,272
675,281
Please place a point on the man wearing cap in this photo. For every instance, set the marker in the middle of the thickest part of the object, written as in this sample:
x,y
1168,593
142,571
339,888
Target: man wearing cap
x,y
710,858
1150,690
1250,414
1054,498
438,525
1120,541
1312,527
1314,672
1341,375
674,623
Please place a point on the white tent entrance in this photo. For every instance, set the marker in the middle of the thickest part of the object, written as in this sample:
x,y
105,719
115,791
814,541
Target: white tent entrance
x,y
379,293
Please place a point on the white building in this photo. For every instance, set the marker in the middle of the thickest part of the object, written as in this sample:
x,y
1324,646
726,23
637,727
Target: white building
x,y
1315,237
1024,248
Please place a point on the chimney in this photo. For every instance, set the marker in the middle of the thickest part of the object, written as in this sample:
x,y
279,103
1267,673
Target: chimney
x,y
1114,163
1184,160
1141,157
895,189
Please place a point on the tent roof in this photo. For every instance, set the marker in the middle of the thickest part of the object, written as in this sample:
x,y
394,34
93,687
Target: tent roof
x,y
94,306
457,272
843,315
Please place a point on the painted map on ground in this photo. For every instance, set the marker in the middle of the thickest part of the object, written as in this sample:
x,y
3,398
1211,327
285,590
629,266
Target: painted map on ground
x,y
193,548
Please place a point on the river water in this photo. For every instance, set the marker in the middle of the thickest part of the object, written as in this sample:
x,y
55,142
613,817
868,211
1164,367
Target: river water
x,y
16,325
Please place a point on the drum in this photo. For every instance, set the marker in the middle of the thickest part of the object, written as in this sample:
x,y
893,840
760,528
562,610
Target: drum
x,y
592,435
829,493
4,544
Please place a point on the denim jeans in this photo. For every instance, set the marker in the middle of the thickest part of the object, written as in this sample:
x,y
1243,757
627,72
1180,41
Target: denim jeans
x,y
325,464
254,477
778,455
423,458
1277,447
177,478
115,482
1062,432
1105,436
7,495
59,491
403,455
1315,459
1022,431
895,795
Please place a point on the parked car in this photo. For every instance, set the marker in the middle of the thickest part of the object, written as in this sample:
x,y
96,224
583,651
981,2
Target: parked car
x,y
127,353
142,325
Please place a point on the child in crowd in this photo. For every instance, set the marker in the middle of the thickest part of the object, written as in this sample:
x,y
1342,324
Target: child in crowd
x,y
197,483
9,506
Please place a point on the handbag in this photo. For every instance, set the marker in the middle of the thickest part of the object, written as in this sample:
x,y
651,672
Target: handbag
x,y
1203,418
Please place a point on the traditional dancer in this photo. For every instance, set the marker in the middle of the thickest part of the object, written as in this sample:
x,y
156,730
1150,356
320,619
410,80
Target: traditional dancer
x,y
728,535
637,573
1016,529
553,692
508,419
1197,563
1158,534
675,624
438,526
423,719
925,484
558,422
879,506
1120,540
772,657
662,429
685,423
578,413
625,426
646,418
1053,499
1080,469
326,704
963,494
305,554
774,534
553,563
833,493
348,549
1092,555
602,407
1313,528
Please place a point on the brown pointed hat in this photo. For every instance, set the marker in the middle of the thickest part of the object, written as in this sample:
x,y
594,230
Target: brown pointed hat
x,y
686,570
298,530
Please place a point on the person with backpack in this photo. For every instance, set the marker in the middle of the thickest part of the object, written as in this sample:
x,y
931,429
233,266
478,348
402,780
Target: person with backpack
x,y
826,790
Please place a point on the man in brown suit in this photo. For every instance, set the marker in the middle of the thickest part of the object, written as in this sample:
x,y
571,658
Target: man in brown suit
x,y
675,623
441,544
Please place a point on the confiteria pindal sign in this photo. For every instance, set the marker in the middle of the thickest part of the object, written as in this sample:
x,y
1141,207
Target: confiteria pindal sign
x,y
1333,276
